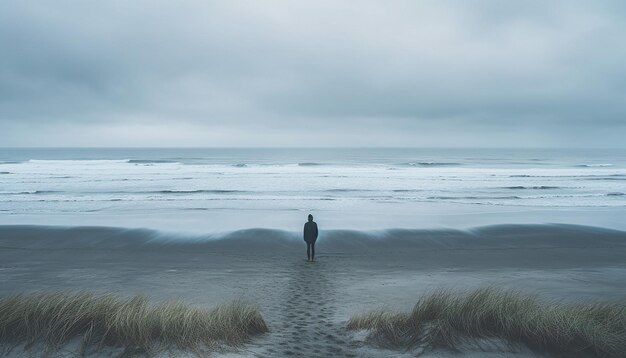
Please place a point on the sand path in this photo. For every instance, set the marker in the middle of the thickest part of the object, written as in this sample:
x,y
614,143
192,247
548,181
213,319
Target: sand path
x,y
303,319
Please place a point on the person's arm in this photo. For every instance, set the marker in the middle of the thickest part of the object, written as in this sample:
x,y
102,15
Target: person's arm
x,y
316,230
304,233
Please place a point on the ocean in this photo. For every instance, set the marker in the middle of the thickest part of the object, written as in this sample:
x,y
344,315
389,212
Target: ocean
x,y
206,190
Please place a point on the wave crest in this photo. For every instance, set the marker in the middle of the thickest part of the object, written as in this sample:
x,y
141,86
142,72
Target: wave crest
x,y
338,241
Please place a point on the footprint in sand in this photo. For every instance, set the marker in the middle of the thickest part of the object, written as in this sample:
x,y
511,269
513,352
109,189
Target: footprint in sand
x,y
305,315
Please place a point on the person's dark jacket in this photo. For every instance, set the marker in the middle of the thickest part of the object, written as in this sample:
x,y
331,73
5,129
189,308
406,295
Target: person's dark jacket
x,y
310,232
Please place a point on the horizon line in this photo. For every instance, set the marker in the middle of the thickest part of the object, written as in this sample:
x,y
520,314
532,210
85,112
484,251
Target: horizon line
x,y
302,147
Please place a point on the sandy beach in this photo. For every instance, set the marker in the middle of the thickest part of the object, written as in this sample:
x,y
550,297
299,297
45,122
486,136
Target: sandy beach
x,y
306,305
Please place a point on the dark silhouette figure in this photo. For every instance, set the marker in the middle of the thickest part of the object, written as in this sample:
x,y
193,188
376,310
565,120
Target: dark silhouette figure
x,y
310,236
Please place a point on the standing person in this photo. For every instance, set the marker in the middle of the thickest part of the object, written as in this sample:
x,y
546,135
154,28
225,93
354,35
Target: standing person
x,y
310,236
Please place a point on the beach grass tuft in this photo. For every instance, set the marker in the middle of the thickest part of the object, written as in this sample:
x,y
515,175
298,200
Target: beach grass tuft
x,y
133,324
450,320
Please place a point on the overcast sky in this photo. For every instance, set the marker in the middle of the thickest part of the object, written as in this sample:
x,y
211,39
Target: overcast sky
x,y
315,73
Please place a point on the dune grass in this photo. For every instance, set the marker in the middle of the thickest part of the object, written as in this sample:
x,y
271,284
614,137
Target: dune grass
x,y
447,320
133,324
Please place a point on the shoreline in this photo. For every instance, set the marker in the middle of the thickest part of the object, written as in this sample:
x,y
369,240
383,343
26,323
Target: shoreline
x,y
334,240
201,220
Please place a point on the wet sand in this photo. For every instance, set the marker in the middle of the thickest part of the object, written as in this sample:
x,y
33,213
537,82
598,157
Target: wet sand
x,y
306,305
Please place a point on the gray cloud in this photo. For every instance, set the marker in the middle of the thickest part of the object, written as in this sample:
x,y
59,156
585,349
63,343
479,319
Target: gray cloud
x,y
428,73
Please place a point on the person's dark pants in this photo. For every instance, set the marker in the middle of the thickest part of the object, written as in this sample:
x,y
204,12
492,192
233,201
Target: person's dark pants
x,y
310,250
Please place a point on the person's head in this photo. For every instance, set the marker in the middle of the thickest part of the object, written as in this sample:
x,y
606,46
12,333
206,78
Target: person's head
x,y
310,217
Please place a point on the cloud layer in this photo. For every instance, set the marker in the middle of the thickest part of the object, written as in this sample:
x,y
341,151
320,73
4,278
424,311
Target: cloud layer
x,y
319,73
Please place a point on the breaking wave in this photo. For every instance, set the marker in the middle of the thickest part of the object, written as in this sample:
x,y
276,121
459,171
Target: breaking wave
x,y
150,161
594,165
32,237
199,191
432,164
540,187
30,192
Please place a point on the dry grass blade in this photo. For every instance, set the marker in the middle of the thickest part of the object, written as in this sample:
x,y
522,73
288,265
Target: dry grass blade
x,y
131,323
444,319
